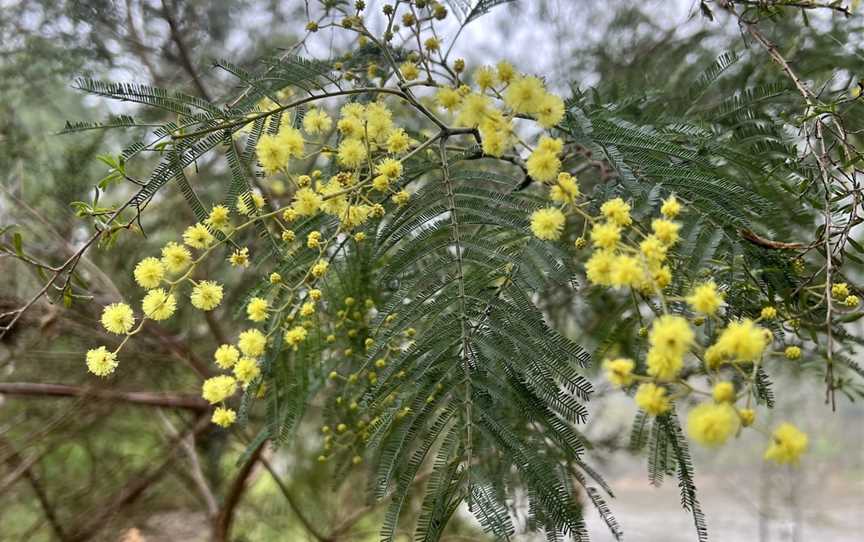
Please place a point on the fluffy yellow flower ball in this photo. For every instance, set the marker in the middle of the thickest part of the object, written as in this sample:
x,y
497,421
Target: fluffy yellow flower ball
x,y
295,336
788,443
252,343
543,165
619,371
711,424
206,295
319,269
176,258
705,298
671,207
351,153
306,202
617,211
149,273
218,218
198,236
663,366
158,304
317,122
605,235
547,224
223,417
652,399
118,318
246,370
671,336
768,313
742,340
218,388
724,392
666,230
101,362
256,309
524,94
226,356
272,154
599,266
792,352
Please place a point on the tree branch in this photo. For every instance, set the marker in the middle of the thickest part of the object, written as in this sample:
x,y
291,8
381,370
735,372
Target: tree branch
x,y
148,398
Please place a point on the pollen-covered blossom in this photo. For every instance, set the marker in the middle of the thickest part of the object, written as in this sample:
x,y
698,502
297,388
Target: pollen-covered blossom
x,y
206,295
485,77
792,352
505,71
390,168
653,249
565,190
401,197
409,71
605,235
319,268
788,443
118,318
652,399
627,271
223,417
272,155
101,362
175,257
239,258
218,218
246,370
747,416
543,165
398,141
549,111
705,298
671,207
851,301
619,371
149,273
598,268
840,290
256,309
711,424
218,388
663,365
158,304
317,121
617,210
768,313
524,94
226,356
295,336
306,202
352,153
742,340
198,236
671,335
448,99
252,343
307,309
547,224
723,392
665,230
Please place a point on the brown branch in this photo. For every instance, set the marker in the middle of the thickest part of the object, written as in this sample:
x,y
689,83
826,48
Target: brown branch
x,y
222,523
161,399
185,60
132,491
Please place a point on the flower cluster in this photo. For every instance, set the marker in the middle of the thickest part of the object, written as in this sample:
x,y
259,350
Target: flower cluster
x,y
728,352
